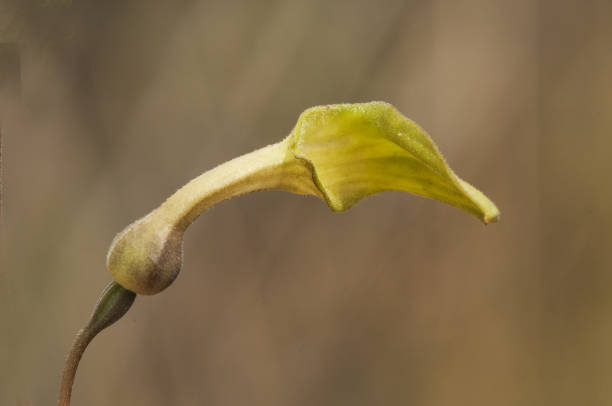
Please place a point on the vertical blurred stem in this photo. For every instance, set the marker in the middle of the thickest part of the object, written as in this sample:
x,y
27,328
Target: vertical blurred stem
x,y
114,302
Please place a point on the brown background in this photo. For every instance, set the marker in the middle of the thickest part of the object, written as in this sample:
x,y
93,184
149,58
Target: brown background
x,y
108,107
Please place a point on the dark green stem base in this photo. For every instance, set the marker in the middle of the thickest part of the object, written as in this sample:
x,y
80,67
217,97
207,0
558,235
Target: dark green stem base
x,y
114,302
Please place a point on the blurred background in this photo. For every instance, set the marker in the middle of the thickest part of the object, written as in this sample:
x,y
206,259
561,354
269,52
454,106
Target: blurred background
x,y
108,107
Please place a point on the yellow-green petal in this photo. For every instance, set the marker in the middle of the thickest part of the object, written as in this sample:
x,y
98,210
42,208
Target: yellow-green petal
x,y
356,150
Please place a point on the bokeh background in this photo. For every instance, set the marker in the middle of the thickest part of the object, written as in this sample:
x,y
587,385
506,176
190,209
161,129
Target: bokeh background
x,y
108,107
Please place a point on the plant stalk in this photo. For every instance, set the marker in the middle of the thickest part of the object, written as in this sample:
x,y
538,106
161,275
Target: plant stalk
x,y
114,302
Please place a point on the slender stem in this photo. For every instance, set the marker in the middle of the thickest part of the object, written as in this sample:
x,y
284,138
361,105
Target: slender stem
x,y
83,339
114,302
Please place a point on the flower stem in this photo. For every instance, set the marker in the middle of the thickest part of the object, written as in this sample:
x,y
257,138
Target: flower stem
x,y
76,352
114,302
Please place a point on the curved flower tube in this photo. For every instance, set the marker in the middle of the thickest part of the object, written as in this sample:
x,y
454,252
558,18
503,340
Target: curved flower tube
x,y
339,153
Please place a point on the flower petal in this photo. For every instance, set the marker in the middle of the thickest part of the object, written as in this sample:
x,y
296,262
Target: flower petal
x,y
356,150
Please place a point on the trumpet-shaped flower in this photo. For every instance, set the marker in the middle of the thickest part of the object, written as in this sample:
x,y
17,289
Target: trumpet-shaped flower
x,y
340,153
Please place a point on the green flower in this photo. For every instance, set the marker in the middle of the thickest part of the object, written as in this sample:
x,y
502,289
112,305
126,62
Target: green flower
x,y
340,153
